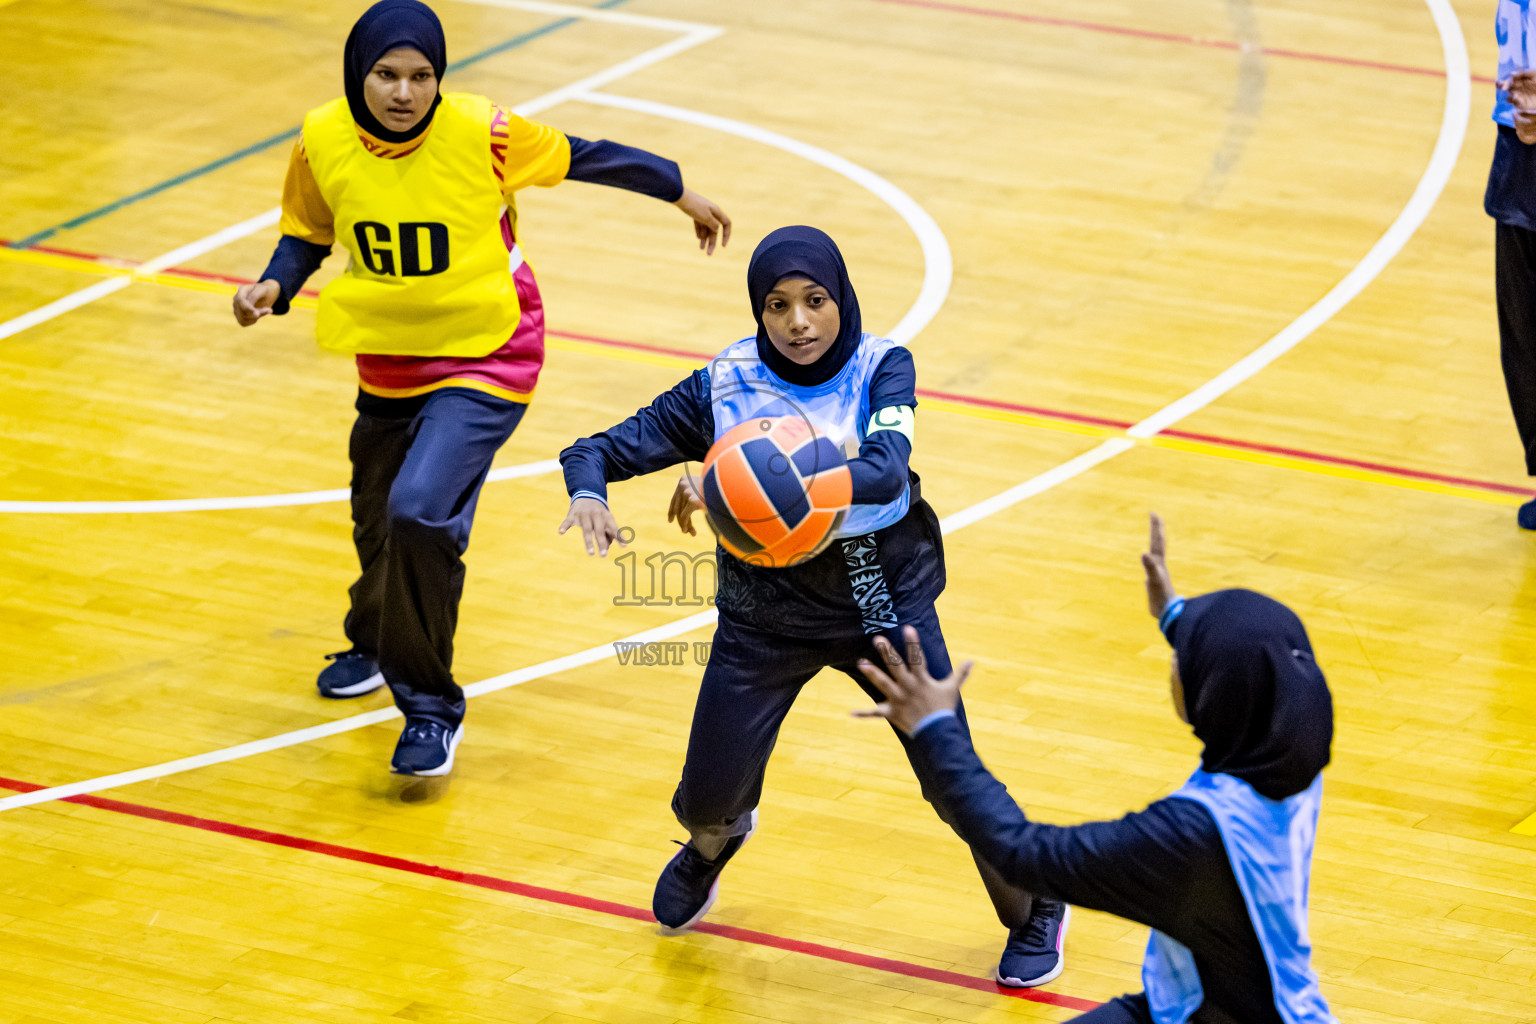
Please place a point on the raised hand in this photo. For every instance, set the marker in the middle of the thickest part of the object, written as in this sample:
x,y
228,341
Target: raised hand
x,y
709,221
685,502
598,527
911,694
1155,562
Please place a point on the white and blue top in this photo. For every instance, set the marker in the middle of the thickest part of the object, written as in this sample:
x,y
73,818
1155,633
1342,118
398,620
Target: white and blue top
x,y
742,388
1269,845
1512,29
888,563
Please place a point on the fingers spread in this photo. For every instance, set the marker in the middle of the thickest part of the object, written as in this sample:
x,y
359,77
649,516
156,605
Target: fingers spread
x,y
914,646
888,653
884,683
964,673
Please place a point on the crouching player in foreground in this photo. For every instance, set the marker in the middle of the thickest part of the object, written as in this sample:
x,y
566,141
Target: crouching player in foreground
x,y
1220,869
780,626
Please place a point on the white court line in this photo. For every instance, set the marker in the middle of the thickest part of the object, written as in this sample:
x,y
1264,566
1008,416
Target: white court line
x,y
595,14
1442,162
938,264
1453,125
694,35
192,250
1453,132
938,275
58,307
341,725
249,501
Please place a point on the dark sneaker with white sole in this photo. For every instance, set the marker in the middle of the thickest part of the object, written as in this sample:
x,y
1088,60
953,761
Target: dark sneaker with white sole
x,y
426,747
1033,955
349,674
689,884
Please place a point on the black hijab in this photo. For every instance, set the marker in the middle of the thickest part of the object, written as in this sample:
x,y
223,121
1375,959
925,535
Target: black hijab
x,y
389,25
804,252
1253,692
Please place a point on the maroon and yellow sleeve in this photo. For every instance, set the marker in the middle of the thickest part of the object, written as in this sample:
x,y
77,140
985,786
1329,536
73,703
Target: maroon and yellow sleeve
x,y
305,213
526,153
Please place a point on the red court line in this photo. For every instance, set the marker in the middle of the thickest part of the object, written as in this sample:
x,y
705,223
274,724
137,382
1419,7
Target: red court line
x,y
1337,460
1172,37
1032,410
638,346
975,401
559,897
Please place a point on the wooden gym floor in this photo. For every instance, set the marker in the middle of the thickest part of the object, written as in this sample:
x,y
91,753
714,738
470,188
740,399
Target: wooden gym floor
x,y
1134,197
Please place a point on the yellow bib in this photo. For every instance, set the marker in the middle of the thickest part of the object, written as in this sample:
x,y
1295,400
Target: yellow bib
x,y
430,274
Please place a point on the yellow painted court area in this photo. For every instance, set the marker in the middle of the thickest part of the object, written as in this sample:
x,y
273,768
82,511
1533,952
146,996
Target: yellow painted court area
x,y
1092,210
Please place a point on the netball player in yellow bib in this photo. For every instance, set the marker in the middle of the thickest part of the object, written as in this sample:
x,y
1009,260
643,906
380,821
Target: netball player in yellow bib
x,y
445,321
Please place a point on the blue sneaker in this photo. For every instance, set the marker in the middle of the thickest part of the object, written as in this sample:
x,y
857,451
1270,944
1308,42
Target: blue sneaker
x,y
1033,955
1526,517
689,884
426,747
349,674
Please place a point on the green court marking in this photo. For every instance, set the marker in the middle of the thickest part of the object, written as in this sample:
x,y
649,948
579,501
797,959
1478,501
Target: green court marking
x,y
278,139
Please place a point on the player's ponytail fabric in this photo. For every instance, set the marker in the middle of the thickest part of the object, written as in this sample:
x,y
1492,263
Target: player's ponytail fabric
x,y
805,252
390,25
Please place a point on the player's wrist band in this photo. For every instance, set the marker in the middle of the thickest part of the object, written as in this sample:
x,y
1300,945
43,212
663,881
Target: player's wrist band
x,y
590,494
929,719
1170,613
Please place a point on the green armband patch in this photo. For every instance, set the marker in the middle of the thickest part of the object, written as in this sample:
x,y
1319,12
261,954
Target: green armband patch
x,y
900,418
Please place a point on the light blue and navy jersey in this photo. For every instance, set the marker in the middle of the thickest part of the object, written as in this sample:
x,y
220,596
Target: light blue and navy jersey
x,y
1167,866
888,558
1512,28
1269,847
1511,194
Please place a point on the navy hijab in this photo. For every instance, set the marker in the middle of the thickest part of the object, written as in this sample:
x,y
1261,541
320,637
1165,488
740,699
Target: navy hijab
x,y
390,25
1252,690
804,252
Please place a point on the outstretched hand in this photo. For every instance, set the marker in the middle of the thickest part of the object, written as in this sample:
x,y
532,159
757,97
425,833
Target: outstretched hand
x,y
598,527
685,502
709,221
1155,562
911,693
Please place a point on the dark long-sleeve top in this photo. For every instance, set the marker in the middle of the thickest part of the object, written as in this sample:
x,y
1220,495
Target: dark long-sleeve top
x,y
813,598
619,166
679,426
1511,194
1165,867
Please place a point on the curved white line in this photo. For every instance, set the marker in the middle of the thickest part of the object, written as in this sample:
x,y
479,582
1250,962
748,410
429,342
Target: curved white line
x,y
938,264
938,273
1442,162
1452,127
1453,132
251,501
